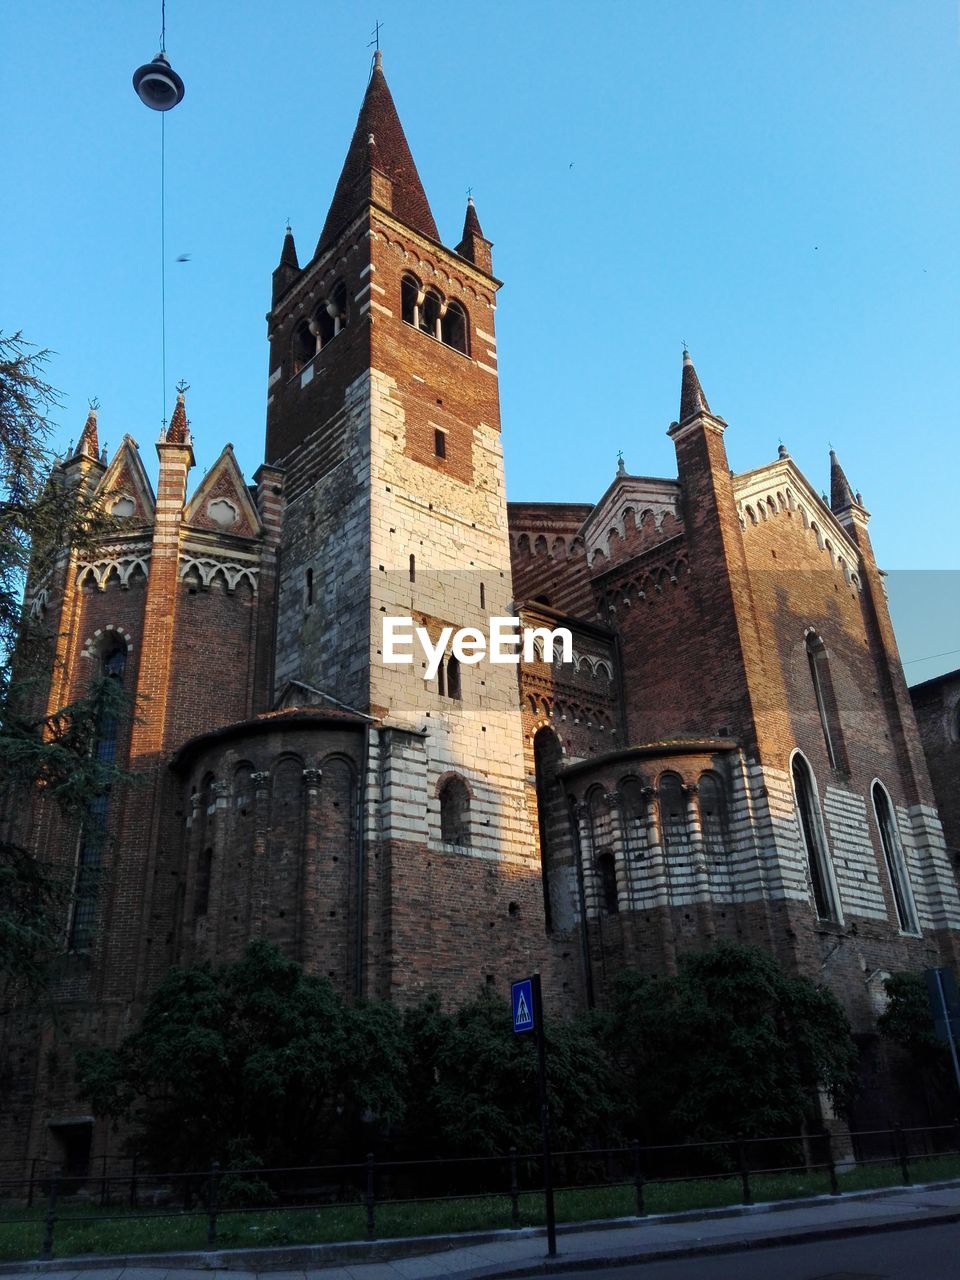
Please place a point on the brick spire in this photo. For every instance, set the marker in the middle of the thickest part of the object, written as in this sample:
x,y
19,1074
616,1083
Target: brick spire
x,y
288,254
178,431
88,442
288,268
378,116
474,245
692,399
841,495
471,223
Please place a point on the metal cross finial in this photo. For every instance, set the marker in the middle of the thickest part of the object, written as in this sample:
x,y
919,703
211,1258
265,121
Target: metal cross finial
x,y
619,455
376,35
183,385
469,193
684,342
94,403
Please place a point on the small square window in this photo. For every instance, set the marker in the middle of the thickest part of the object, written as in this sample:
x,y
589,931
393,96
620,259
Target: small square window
x,y
440,443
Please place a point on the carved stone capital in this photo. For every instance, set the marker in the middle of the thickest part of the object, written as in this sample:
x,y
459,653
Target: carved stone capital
x,y
614,799
311,778
219,790
261,781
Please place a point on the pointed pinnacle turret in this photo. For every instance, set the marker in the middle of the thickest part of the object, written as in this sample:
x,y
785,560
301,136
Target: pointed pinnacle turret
x,y
692,399
841,495
474,245
178,431
288,254
88,442
391,154
288,268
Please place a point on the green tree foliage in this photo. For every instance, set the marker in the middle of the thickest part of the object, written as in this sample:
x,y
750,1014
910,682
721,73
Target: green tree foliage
x,y
258,1064
907,1023
253,1063
733,1044
473,1083
40,515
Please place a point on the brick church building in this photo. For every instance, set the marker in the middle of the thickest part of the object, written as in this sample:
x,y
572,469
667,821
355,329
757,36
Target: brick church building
x,y
731,754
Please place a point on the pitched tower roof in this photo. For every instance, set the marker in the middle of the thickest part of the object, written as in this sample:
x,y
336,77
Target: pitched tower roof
x,y
288,254
841,495
378,116
692,399
471,223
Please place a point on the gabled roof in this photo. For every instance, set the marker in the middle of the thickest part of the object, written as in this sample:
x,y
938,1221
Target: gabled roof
x,y
126,477
224,485
390,153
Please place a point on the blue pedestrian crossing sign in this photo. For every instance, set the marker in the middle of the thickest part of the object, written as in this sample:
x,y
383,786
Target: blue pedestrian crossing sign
x,y
522,993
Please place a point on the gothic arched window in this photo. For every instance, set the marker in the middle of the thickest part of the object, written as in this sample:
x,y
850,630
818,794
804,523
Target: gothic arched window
x,y
410,301
453,679
453,327
896,864
113,666
429,318
673,814
815,841
304,346
634,824
713,818
819,665
455,812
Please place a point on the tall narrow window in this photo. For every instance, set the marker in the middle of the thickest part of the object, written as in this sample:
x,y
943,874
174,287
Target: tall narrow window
x,y
442,679
826,701
634,829
201,902
607,871
429,317
896,864
413,568
409,295
483,596
455,812
554,830
815,842
453,327
304,346
440,443
453,678
113,665
308,593
712,815
673,816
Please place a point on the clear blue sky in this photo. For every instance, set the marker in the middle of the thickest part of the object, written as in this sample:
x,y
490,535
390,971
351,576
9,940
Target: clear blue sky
x,y
775,183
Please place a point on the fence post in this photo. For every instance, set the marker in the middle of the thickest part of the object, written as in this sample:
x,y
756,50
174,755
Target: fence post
x,y
133,1181
514,1190
33,1176
747,1197
103,1180
369,1198
830,1162
46,1249
902,1154
638,1178
213,1204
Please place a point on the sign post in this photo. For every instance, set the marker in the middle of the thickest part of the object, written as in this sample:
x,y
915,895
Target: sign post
x,y
945,1008
527,1003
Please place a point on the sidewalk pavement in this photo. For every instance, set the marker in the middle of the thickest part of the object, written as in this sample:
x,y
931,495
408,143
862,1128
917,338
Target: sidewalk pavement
x,y
503,1254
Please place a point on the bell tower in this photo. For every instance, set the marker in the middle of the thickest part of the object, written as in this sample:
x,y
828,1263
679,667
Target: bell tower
x,y
383,409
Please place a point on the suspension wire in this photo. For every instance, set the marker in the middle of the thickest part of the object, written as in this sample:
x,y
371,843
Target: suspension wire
x,y
163,26
163,269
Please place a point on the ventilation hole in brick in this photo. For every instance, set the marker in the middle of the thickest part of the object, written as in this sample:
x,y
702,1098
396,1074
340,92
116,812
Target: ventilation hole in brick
x,y
331,973
281,914
335,858
489,979
332,915
243,813
235,919
514,908
489,924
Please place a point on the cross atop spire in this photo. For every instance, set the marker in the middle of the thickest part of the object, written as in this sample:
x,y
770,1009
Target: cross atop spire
x,y
378,116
